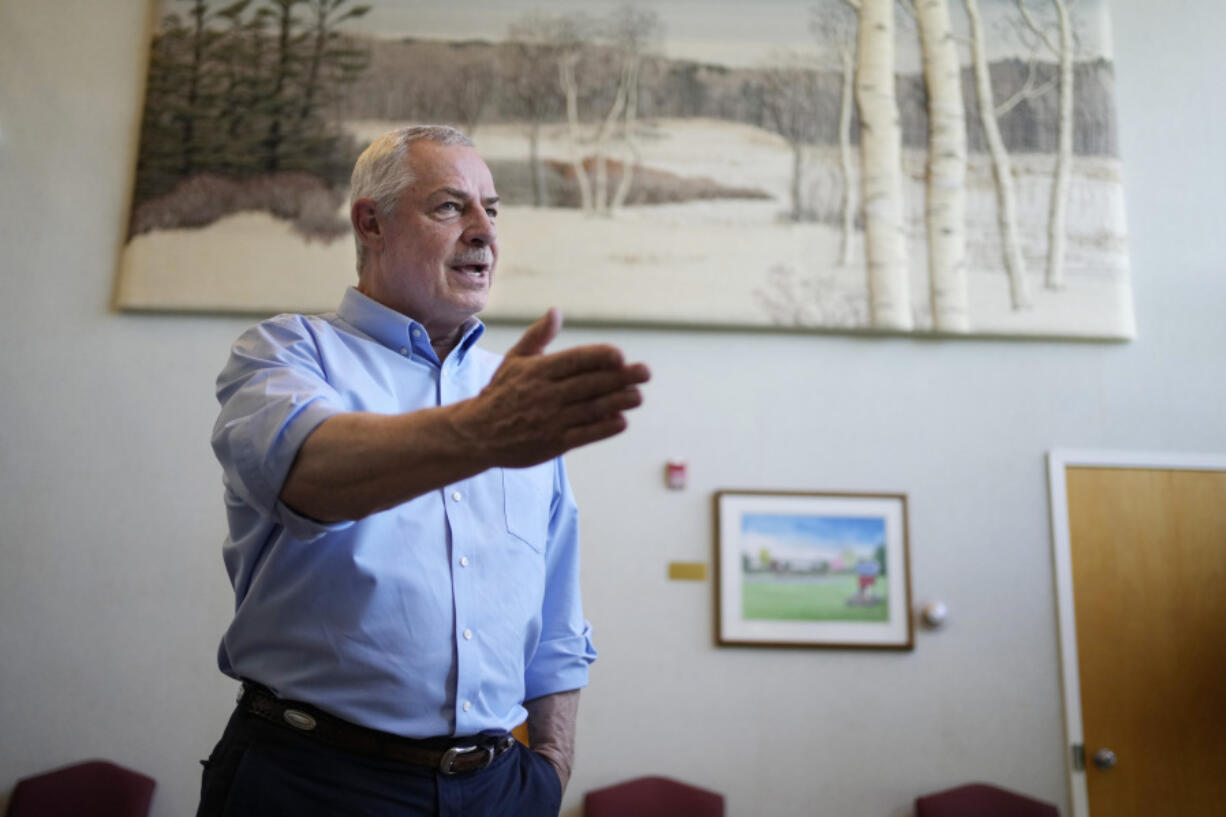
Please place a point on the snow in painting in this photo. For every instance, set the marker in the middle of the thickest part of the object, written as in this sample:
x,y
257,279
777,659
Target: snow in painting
x,y
932,166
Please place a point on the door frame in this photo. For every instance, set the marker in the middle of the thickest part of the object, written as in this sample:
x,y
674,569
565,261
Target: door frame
x,y
1059,459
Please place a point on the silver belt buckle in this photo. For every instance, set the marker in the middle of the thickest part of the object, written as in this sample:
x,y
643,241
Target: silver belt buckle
x,y
446,765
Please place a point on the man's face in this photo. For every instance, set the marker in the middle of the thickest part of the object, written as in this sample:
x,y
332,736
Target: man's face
x,y
439,245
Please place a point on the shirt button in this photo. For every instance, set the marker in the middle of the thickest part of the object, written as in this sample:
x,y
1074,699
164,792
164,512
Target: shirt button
x,y
463,561
467,706
416,332
457,496
468,634
404,350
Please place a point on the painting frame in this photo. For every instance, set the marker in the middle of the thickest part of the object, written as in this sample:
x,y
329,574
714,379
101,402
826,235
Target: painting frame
x,y
784,575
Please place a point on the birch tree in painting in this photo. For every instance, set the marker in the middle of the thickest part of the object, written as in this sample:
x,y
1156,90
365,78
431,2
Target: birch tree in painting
x,y
1002,167
630,32
789,102
530,78
946,204
471,88
611,48
569,37
834,26
600,159
889,287
1062,47
635,32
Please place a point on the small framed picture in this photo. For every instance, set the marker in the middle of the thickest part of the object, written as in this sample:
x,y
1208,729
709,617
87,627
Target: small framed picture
x,y
812,569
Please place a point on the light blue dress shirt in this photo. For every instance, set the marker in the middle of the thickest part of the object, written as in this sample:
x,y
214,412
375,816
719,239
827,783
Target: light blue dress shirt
x,y
438,617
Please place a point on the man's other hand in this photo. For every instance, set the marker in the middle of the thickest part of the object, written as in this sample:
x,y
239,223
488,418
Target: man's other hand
x,y
539,405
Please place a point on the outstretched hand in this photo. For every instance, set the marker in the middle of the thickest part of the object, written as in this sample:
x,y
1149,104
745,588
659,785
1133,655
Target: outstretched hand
x,y
539,405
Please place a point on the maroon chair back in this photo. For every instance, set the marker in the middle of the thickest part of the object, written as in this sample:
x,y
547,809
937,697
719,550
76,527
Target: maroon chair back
x,y
653,797
982,800
94,788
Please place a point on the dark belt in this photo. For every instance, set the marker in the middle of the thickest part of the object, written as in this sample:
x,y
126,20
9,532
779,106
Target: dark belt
x,y
447,755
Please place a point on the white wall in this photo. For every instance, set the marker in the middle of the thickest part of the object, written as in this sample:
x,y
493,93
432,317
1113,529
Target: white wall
x,y
112,592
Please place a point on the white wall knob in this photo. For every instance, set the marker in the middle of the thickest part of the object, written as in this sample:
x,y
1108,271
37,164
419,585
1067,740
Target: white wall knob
x,y
934,614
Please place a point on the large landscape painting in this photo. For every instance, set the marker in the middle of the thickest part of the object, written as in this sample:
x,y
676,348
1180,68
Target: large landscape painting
x,y
898,166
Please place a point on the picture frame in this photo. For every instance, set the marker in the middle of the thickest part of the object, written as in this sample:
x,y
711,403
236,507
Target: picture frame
x,y
810,569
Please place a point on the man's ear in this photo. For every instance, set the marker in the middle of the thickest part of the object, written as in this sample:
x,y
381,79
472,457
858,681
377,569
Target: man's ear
x,y
364,216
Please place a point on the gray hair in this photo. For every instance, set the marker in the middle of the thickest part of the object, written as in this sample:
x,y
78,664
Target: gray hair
x,y
382,172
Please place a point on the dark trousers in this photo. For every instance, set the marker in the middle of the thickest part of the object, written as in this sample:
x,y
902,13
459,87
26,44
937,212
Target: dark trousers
x,y
262,770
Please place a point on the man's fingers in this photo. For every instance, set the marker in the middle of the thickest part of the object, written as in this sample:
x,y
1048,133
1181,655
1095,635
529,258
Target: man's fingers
x,y
537,336
587,385
596,410
570,362
594,432
638,373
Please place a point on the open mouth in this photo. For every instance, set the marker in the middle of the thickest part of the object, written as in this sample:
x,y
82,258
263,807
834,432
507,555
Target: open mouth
x,y
476,269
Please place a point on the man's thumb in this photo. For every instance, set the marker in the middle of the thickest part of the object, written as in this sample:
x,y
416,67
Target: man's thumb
x,y
537,336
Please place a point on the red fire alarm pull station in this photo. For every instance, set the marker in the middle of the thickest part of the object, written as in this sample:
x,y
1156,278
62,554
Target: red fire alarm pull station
x,y
675,474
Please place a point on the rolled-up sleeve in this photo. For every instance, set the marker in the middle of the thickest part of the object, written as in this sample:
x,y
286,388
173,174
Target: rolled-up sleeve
x,y
565,650
273,393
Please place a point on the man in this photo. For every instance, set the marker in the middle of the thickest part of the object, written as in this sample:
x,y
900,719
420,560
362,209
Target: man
x,y
403,542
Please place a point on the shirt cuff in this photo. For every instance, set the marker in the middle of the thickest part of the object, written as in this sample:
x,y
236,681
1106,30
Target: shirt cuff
x,y
264,466
304,528
559,665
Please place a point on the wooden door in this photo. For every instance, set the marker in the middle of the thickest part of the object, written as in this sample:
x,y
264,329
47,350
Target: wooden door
x,y
1148,551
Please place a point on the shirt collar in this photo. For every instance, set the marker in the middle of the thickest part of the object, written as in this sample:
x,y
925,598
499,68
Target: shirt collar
x,y
397,331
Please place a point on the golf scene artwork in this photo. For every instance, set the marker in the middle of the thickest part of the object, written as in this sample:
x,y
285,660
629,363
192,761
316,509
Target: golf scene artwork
x,y
808,569
888,166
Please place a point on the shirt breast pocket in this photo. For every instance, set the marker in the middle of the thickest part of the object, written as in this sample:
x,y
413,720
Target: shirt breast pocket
x,y
527,497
